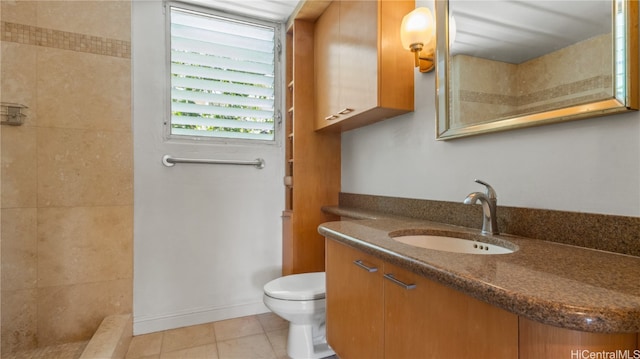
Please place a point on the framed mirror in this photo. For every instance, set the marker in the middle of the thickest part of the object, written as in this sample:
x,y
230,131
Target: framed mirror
x,y
504,64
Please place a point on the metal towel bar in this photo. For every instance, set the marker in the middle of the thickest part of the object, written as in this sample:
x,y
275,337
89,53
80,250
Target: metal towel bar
x,y
171,161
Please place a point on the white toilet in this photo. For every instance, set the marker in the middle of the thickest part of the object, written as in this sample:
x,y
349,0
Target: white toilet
x,y
300,299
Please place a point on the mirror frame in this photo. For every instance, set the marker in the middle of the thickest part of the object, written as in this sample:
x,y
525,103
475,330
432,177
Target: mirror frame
x,y
614,105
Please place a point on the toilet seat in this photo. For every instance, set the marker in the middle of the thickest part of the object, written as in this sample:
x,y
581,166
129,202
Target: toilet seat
x,y
305,286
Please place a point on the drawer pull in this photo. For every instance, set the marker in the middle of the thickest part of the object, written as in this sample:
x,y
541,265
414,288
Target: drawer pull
x,y
365,267
346,111
331,117
390,277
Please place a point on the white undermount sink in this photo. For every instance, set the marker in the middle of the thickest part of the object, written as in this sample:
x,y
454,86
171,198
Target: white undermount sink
x,y
452,244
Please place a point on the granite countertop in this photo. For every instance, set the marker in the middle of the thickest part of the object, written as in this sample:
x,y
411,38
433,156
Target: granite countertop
x,y
552,283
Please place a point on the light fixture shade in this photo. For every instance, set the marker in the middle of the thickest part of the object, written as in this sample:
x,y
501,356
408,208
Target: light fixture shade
x,y
453,29
417,28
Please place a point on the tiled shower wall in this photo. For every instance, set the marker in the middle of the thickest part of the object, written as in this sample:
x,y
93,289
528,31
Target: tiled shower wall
x,y
490,89
67,173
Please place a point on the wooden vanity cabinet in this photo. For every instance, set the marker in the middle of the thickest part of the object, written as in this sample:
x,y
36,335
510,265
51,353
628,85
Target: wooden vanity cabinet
x,y
538,340
355,305
370,316
431,320
362,73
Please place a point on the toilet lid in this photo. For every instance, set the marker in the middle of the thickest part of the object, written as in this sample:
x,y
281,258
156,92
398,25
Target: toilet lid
x,y
306,286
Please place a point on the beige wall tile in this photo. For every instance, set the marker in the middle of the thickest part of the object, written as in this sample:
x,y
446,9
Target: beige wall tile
x,y
19,323
18,77
84,91
104,18
80,165
552,81
19,166
19,11
73,313
564,66
84,168
19,255
84,244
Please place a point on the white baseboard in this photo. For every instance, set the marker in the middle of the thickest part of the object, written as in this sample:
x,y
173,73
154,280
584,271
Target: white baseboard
x,y
144,325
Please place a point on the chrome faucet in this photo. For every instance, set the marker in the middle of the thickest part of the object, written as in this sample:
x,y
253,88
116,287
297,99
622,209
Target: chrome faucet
x,y
489,202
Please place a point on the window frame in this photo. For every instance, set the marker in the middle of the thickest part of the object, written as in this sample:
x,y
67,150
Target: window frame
x,y
278,79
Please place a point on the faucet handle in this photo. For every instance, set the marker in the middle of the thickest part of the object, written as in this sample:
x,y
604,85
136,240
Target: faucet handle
x,y
490,191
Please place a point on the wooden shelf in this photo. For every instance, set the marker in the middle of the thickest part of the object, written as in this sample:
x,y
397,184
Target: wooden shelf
x,y
317,159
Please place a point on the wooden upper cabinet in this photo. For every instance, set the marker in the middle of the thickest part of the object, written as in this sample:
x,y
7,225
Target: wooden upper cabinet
x,y
362,73
327,60
358,57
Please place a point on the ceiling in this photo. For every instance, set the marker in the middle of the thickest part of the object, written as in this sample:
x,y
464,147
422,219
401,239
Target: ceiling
x,y
504,30
274,10
515,31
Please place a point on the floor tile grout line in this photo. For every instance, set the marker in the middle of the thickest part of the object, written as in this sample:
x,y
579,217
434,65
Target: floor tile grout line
x,y
273,349
162,343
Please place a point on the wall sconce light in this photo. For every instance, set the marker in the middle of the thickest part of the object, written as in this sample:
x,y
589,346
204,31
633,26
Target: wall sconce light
x,y
417,33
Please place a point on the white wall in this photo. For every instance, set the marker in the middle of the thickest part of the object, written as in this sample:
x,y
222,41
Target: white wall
x,y
206,237
590,165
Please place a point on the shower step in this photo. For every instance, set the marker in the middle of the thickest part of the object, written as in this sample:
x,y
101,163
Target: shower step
x,y
111,340
59,351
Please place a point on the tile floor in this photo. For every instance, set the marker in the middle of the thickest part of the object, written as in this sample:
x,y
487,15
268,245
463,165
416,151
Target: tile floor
x,y
262,336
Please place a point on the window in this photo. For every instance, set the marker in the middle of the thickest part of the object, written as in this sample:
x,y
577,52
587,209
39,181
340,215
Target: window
x,y
222,77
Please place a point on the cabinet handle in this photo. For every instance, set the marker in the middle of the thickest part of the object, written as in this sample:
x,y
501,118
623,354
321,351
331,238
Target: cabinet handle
x,y
390,277
346,111
331,117
365,267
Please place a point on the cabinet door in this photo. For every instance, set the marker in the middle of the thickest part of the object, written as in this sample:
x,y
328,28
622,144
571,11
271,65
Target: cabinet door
x,y
354,302
434,321
358,57
539,340
327,65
